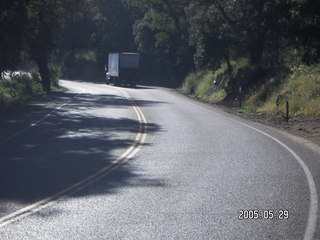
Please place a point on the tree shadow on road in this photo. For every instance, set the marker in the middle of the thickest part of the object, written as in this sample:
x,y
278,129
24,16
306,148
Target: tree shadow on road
x,y
69,145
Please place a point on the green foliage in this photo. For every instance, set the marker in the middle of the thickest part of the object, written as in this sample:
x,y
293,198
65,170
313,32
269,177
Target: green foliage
x,y
31,26
105,26
174,36
191,82
87,55
19,88
209,34
248,109
223,30
45,18
162,36
218,96
301,84
55,74
206,85
13,26
303,90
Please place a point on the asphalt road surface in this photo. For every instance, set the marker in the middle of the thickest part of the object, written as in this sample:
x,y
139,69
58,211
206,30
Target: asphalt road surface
x,y
104,162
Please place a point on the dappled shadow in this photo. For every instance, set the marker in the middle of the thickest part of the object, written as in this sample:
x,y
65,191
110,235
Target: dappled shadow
x,y
87,100
103,81
69,145
22,116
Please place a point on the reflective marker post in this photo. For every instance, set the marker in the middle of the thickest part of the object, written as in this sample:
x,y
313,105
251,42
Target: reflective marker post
x,y
240,97
287,108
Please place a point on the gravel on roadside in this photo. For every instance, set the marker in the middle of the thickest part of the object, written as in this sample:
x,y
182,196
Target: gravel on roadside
x,y
304,126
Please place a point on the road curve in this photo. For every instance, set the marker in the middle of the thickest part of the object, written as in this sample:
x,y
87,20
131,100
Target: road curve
x,y
196,172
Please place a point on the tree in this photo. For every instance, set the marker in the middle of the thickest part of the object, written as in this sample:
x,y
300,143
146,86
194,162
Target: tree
x,y
113,22
212,32
225,29
306,28
44,19
13,19
162,35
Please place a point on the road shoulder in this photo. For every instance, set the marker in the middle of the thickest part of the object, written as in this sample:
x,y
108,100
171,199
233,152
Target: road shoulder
x,y
302,128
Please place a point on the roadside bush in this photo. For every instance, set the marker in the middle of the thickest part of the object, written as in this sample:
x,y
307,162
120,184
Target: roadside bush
x,y
207,85
19,88
191,82
204,86
303,89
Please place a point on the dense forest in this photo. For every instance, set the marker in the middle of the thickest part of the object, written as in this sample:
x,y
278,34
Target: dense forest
x,y
175,37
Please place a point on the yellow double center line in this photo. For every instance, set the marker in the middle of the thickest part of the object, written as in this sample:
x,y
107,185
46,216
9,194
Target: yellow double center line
x,y
125,157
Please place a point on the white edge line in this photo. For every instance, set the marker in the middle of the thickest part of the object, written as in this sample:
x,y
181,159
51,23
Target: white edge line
x,y
34,124
313,210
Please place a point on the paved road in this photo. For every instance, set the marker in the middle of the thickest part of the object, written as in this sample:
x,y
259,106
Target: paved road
x,y
101,162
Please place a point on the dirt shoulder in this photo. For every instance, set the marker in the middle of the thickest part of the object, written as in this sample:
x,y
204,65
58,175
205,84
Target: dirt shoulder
x,y
307,127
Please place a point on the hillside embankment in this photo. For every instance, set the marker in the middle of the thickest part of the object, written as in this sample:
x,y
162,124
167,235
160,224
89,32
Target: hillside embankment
x,y
260,94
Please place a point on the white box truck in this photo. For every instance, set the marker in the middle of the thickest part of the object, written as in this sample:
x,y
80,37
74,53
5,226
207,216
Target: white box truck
x,y
123,68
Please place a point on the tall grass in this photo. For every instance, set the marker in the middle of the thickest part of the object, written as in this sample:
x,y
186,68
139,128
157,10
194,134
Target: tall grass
x,y
199,84
303,90
210,85
191,82
300,83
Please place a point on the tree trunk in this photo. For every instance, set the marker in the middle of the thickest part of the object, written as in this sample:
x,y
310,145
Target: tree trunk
x,y
44,73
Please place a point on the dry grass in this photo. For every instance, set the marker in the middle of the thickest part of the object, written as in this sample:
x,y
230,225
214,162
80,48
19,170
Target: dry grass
x,y
302,85
303,90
